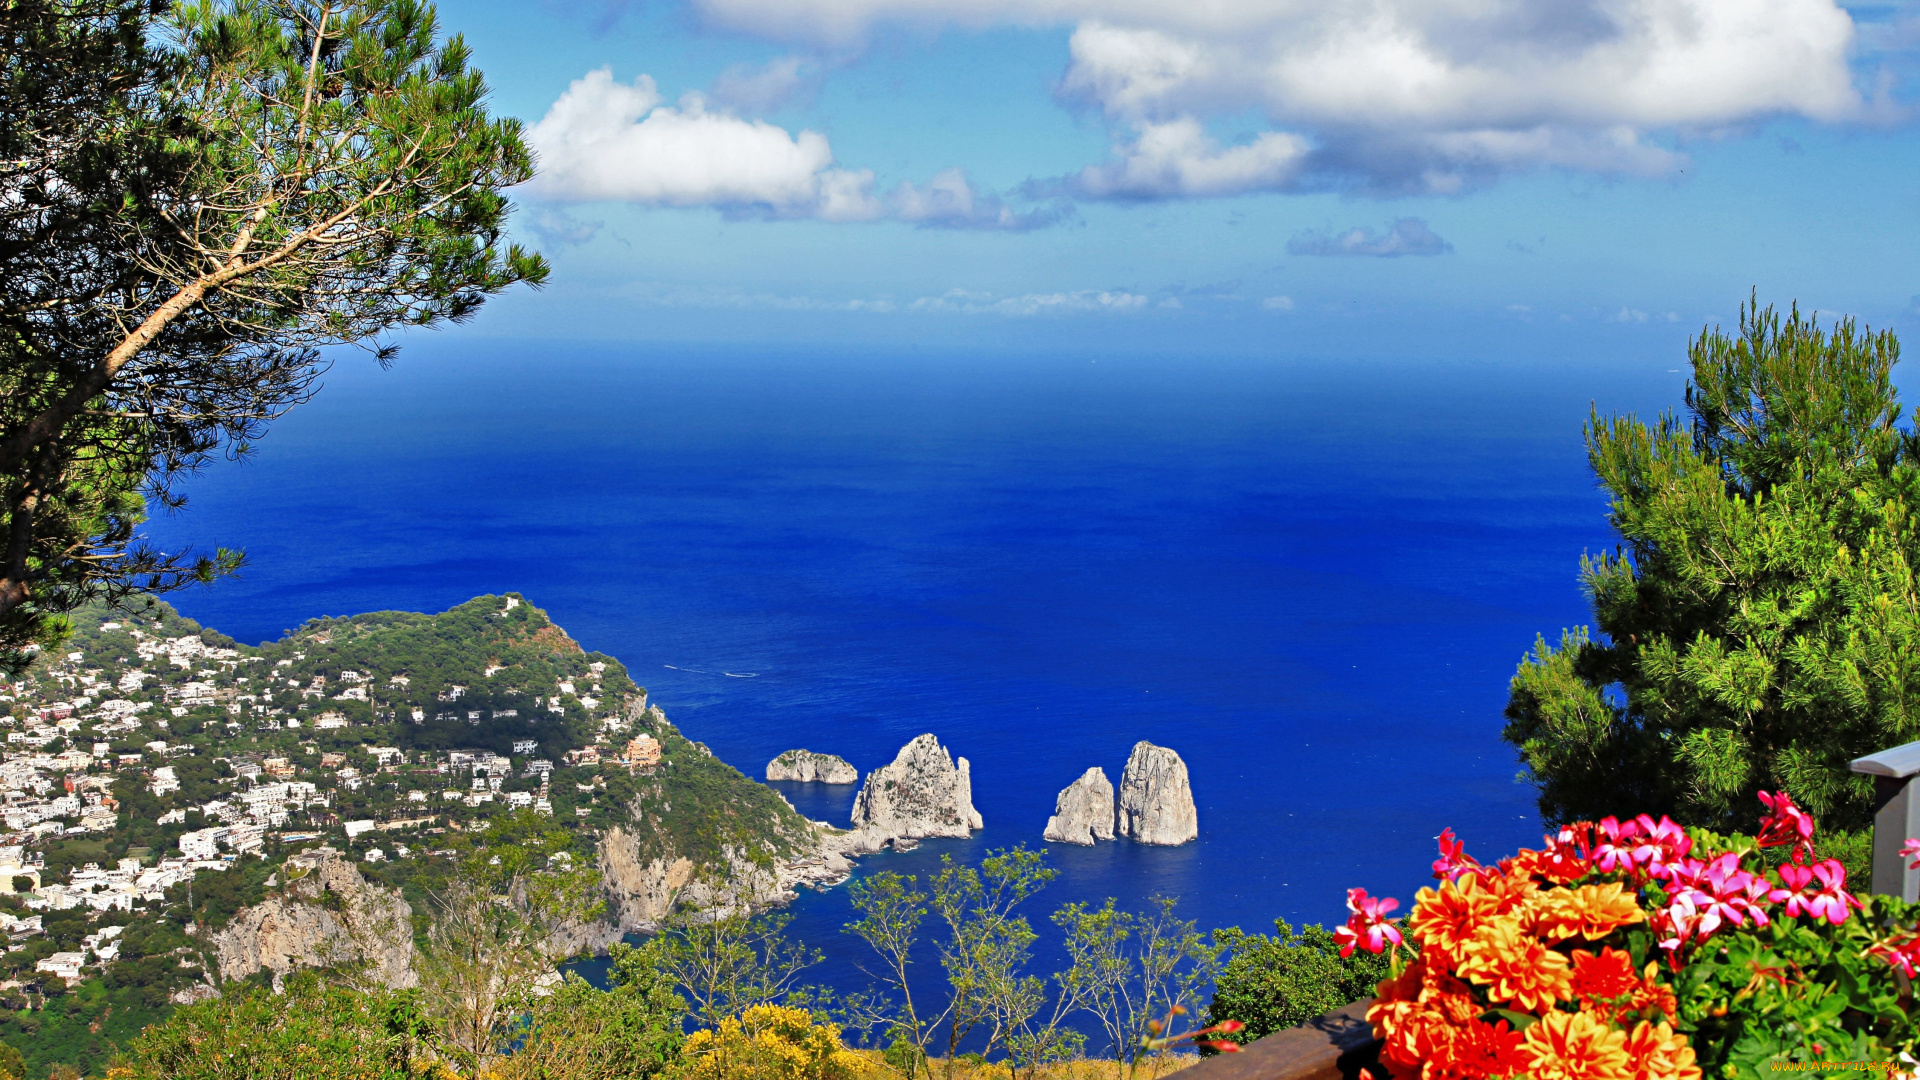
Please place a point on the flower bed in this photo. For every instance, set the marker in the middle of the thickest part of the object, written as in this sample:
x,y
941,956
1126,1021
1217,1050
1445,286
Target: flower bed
x,y
1639,950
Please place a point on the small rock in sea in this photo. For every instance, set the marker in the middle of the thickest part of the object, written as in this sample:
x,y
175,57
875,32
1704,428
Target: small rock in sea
x,y
807,767
1156,800
1084,811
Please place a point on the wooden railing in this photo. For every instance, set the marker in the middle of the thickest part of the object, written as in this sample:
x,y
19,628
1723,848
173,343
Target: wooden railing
x,y
1337,1046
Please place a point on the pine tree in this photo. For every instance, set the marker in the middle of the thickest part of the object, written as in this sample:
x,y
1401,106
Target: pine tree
x,y
1759,625
195,202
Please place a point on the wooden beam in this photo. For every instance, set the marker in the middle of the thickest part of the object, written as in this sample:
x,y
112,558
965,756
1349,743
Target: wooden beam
x,y
1337,1046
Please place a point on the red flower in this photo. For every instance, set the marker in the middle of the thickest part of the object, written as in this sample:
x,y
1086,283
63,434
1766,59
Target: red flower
x,y
1478,1050
1453,860
1368,926
1902,955
1786,823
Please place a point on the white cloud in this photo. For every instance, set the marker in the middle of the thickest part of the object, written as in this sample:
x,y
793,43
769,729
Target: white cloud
x,y
556,228
1060,303
606,140
1178,158
1277,303
1416,95
1407,236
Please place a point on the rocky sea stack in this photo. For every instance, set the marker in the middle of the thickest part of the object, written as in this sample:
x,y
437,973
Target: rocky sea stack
x,y
807,767
1156,801
1084,811
923,793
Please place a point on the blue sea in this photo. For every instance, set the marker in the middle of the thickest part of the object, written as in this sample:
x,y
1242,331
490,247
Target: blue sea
x,y
1311,578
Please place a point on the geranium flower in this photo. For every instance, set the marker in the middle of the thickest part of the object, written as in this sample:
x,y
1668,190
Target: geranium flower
x,y
1903,955
1453,860
1445,920
1515,966
1679,920
1660,1053
1829,900
1726,893
1613,852
1640,846
1575,1046
1911,848
1786,823
1368,926
1568,855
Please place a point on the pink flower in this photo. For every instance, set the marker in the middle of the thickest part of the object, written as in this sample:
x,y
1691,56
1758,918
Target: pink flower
x,y
1786,823
1615,850
1911,849
1731,895
1830,901
1679,920
1368,926
1453,860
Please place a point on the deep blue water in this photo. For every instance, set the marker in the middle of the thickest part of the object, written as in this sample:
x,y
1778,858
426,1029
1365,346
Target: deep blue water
x,y
1312,580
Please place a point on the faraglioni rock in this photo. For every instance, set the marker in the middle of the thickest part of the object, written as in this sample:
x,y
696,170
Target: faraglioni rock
x,y
1084,811
923,793
1156,801
807,767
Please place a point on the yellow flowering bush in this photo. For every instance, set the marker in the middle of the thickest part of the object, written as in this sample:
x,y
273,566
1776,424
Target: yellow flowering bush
x,y
768,1042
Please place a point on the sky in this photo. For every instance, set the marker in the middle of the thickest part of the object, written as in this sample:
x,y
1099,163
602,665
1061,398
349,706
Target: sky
x,y
1470,178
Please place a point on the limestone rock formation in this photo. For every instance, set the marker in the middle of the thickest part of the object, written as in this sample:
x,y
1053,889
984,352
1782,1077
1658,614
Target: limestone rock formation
x,y
327,915
923,793
807,767
1156,800
1084,811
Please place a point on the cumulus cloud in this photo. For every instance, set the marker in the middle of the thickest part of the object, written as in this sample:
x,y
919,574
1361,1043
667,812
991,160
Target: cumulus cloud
x,y
1395,96
1407,236
613,141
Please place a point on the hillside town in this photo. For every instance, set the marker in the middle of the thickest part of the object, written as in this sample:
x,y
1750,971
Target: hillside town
x,y
148,751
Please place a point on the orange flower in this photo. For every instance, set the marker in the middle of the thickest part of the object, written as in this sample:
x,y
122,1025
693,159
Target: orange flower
x,y
1590,911
1515,966
1575,1046
1410,1033
1445,920
1479,1051
1604,977
1404,986
1655,998
1660,1053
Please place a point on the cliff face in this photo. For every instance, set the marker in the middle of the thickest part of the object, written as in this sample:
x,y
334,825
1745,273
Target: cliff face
x,y
328,915
805,766
1084,811
1156,800
923,793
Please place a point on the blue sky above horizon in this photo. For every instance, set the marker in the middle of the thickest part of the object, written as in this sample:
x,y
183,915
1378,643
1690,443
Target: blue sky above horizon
x,y
1401,177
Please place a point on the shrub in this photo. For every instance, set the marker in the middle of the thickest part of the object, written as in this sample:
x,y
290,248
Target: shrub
x,y
1271,983
1639,950
768,1042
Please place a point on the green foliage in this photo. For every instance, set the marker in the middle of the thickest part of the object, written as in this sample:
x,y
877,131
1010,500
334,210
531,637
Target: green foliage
x,y
627,1032
84,1028
1272,983
315,1030
1760,624
1802,990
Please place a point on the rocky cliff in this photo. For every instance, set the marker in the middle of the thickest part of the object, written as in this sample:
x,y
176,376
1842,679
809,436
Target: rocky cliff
x,y
1156,800
923,793
326,915
1084,811
807,767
